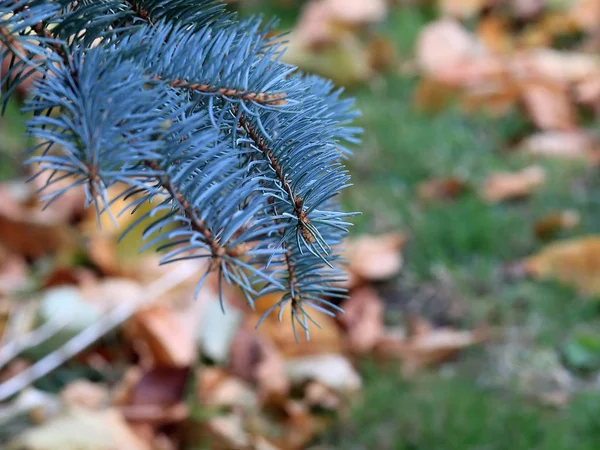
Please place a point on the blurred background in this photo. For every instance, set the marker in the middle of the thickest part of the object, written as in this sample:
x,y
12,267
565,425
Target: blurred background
x,y
474,315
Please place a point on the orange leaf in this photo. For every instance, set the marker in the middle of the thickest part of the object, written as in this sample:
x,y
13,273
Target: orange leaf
x,y
549,106
575,262
171,343
376,257
363,319
322,340
510,185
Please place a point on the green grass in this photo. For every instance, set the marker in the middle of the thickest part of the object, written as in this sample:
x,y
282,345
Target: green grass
x,y
436,413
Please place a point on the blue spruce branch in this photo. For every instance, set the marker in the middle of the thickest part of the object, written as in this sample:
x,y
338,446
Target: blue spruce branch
x,y
193,111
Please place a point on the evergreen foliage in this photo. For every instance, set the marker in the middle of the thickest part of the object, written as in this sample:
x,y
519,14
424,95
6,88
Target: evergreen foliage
x,y
191,109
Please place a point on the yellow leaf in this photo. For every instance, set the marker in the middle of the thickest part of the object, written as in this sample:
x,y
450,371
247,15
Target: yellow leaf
x,y
575,262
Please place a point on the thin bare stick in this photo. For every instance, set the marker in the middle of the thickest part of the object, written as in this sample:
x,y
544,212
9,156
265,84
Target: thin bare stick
x,y
18,345
94,332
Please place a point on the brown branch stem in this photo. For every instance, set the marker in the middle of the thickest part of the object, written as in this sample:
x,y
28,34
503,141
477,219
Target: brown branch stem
x,y
261,97
298,202
196,224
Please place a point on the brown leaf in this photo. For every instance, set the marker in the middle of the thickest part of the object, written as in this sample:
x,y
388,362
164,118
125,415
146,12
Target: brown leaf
x,y
428,347
575,262
29,231
156,415
85,394
381,53
495,34
14,273
509,185
326,339
66,275
553,223
82,429
586,14
432,95
527,9
326,22
375,257
549,106
445,45
154,397
437,189
300,426
588,91
207,379
555,67
163,330
232,392
363,319
561,144
318,395
462,9
255,359
102,252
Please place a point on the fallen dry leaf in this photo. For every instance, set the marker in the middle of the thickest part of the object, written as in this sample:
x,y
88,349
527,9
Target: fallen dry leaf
x,y
326,339
333,370
432,95
549,106
381,53
156,415
228,432
445,45
462,9
375,257
362,319
510,185
154,396
588,92
29,231
494,32
553,223
207,379
575,262
355,12
428,346
94,430
162,329
102,252
326,22
586,14
254,358
441,189
317,394
300,426
560,144
526,9
14,272
232,392
554,66
85,394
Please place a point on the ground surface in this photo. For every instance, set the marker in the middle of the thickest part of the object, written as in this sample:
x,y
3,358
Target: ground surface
x,y
489,399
